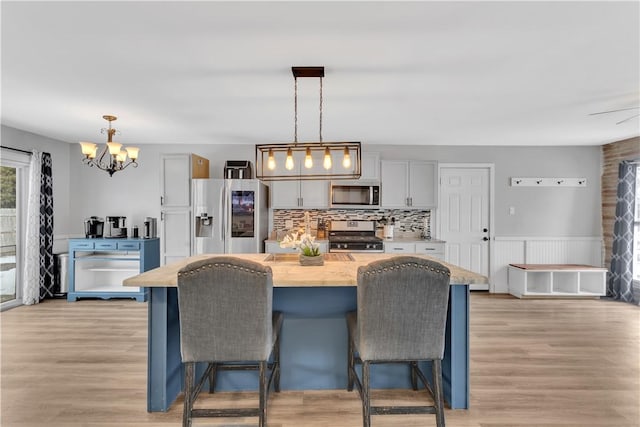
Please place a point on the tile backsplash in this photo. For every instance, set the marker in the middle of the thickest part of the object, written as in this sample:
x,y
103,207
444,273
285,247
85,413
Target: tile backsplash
x,y
406,221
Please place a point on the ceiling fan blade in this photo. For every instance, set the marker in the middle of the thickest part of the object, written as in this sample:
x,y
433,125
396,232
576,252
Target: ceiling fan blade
x,y
628,118
614,111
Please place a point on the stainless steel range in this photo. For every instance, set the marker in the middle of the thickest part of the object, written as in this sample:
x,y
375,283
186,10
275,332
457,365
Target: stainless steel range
x,y
354,236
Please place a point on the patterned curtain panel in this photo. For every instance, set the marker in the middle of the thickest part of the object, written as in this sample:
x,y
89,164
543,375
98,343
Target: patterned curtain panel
x,y
47,282
31,276
620,284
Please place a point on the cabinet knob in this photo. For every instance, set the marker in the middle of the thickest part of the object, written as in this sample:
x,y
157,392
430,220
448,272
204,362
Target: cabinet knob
x,y
485,230
485,238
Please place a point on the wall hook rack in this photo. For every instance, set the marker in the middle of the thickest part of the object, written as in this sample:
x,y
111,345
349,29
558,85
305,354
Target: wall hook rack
x,y
548,182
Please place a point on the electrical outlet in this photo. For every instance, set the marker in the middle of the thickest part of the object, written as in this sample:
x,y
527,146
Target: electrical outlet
x,y
512,210
288,223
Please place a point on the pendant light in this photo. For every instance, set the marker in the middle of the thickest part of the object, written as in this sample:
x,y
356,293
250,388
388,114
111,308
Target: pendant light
x,y
298,158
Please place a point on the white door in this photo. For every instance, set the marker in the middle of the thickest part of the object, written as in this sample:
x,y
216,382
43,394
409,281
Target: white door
x,y
465,217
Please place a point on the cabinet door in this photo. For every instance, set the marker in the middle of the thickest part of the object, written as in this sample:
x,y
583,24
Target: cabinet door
x,y
435,250
422,184
394,176
175,235
370,168
403,248
314,194
175,180
285,194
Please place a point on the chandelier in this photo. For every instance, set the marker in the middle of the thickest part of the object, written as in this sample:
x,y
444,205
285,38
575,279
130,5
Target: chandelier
x,y
112,157
307,160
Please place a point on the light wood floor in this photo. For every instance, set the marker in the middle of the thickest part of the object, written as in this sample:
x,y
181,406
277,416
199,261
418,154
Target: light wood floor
x,y
533,363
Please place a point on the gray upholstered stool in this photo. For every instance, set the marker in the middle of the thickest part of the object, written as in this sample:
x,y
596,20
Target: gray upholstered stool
x,y
401,317
226,317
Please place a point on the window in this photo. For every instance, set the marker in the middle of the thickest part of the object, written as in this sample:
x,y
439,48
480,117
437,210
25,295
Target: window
x,y
13,168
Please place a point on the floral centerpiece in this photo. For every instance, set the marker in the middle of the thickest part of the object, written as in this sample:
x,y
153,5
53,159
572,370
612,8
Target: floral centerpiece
x,y
306,244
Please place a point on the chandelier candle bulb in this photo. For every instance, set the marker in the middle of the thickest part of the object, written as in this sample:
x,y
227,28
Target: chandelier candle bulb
x,y
121,156
132,152
88,148
114,148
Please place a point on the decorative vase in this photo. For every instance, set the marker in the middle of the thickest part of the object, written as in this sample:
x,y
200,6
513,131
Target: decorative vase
x,y
311,260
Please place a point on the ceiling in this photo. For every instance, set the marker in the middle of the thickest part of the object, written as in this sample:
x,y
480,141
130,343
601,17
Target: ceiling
x,y
428,73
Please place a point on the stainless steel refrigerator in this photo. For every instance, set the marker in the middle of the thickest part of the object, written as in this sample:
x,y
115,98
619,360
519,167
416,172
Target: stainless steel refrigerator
x,y
231,216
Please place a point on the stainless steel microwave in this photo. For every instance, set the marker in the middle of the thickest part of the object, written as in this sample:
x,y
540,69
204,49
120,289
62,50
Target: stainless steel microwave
x,y
354,194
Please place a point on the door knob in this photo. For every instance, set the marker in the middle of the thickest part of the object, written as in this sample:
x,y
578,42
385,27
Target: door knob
x,y
485,238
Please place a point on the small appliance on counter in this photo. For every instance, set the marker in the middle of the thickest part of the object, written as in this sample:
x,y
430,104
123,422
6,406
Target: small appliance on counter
x,y
93,227
116,227
150,230
237,169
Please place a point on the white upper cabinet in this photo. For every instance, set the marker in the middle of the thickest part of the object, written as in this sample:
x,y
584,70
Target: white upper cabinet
x,y
370,166
408,184
300,194
175,180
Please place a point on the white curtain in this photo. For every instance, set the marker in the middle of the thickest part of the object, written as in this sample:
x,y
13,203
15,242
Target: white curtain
x,y
31,277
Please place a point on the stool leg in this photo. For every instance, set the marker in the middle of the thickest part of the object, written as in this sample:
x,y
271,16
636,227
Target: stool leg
x,y
351,364
414,375
366,398
436,372
188,393
263,394
212,377
276,365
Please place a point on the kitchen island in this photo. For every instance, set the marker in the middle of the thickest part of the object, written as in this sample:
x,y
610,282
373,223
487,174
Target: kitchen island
x,y
314,301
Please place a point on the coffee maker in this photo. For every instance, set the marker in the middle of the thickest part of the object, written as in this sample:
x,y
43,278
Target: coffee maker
x,y
150,228
93,227
116,227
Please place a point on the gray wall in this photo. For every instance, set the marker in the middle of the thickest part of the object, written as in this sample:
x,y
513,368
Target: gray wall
x,y
540,212
60,159
81,191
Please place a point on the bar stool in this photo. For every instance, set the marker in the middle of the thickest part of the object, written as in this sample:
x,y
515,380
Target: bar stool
x,y
226,320
401,317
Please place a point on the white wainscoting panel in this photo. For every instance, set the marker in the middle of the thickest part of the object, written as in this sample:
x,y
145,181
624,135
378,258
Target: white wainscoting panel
x,y
541,250
505,252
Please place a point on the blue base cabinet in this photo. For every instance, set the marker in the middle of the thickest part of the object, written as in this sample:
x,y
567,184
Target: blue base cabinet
x,y
97,267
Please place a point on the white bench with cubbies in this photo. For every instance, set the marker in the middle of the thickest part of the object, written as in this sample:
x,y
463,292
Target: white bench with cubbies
x,y
556,280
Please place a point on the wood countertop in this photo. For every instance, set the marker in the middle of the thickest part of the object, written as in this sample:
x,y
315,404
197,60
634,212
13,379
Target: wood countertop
x,y
287,271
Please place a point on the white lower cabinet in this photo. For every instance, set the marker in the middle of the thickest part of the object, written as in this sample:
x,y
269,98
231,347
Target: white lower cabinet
x,y
399,248
175,235
435,250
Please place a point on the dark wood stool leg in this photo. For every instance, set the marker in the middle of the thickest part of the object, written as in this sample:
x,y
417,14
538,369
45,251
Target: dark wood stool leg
x,y
263,394
414,375
188,393
436,370
212,377
276,365
351,364
366,398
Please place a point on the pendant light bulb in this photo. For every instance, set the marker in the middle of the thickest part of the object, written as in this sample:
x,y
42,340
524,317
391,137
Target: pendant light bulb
x,y
271,161
327,158
308,161
288,164
346,160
